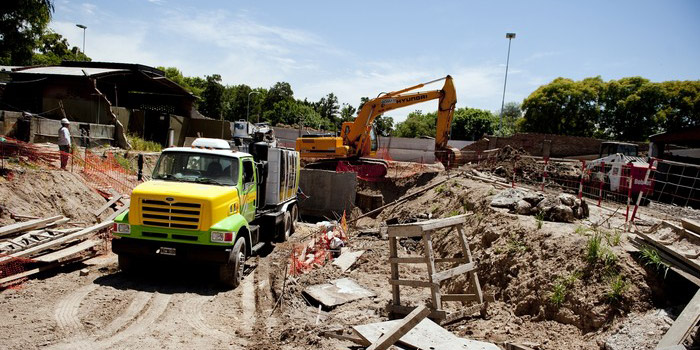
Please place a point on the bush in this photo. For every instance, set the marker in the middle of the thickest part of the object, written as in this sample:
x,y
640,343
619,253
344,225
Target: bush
x,y
139,144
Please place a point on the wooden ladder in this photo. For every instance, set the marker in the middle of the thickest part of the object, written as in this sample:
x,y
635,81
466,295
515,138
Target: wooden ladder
x,y
426,230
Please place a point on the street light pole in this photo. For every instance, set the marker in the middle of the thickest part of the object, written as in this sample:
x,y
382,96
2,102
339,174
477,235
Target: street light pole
x,y
510,37
248,111
83,28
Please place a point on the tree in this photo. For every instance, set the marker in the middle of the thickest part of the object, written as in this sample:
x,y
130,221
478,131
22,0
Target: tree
x,y
564,107
347,113
279,92
511,115
295,113
384,125
417,124
211,104
329,109
472,124
630,107
54,48
22,22
681,106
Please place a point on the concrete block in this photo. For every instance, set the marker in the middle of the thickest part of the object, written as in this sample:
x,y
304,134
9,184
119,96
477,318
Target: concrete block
x,y
329,193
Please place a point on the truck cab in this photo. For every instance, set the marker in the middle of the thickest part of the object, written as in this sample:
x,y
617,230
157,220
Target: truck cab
x,y
210,203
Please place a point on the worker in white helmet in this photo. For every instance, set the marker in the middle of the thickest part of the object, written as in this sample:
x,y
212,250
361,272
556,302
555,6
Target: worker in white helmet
x,y
64,142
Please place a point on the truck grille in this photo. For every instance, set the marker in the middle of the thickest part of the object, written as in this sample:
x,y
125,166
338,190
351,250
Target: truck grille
x,y
174,215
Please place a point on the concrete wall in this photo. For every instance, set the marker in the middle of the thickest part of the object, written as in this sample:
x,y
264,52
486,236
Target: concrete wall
x,y
538,144
328,192
209,128
46,130
408,149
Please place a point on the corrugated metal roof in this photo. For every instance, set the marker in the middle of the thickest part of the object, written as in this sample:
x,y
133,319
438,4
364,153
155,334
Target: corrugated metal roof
x,y
71,71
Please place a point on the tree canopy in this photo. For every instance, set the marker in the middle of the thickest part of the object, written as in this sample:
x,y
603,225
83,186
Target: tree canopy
x,y
22,23
626,109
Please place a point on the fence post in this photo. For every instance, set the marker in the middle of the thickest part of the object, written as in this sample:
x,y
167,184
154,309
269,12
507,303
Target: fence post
x,y
139,162
600,187
639,197
544,173
583,173
629,189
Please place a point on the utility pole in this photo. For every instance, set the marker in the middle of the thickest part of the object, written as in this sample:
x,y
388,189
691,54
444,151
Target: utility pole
x,y
510,37
83,28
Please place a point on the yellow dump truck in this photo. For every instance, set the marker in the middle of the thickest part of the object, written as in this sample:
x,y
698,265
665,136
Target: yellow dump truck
x,y
210,203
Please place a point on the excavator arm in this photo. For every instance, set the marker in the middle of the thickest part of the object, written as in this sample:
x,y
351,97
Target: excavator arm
x,y
358,134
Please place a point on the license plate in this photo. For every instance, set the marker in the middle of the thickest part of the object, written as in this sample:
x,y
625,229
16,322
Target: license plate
x,y
166,251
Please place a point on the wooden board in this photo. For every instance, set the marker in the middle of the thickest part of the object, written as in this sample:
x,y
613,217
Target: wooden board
x,y
690,262
426,335
65,239
27,225
395,332
338,292
68,252
415,229
681,327
111,202
459,270
691,225
119,211
347,259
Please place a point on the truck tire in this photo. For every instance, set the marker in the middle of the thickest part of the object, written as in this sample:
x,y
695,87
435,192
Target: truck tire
x,y
295,216
287,227
126,263
231,272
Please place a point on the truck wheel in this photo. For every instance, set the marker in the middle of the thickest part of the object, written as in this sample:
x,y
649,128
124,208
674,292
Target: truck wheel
x,y
126,263
295,216
231,273
288,226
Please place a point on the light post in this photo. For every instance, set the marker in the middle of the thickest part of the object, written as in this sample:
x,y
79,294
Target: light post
x,y
248,111
510,37
83,28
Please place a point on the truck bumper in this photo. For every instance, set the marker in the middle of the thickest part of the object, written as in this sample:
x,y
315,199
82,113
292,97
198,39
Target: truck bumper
x,y
182,252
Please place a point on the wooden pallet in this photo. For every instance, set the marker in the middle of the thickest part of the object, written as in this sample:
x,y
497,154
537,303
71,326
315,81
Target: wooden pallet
x,y
426,230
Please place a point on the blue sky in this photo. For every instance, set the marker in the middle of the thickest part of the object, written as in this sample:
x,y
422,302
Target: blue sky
x,y
361,48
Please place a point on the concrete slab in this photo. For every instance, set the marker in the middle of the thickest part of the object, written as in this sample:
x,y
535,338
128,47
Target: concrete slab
x,y
347,259
426,335
338,292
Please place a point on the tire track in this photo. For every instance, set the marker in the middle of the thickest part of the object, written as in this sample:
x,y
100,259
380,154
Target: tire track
x,y
248,302
157,306
192,309
66,313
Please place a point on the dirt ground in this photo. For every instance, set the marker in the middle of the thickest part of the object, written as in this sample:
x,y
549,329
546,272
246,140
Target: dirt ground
x,y
520,263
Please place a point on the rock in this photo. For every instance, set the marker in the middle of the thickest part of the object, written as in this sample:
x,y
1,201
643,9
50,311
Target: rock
x,y
522,207
559,213
567,199
580,209
508,197
533,198
547,203
84,272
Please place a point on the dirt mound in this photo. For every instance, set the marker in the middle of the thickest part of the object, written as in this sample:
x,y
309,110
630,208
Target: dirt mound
x,y
43,193
507,160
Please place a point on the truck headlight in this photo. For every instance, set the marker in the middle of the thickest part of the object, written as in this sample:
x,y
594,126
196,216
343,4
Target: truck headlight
x,y
121,228
221,237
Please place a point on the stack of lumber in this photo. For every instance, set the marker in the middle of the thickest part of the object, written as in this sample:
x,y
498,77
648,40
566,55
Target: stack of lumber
x,y
678,246
38,245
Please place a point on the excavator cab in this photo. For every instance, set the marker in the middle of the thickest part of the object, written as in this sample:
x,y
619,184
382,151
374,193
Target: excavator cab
x,y
371,148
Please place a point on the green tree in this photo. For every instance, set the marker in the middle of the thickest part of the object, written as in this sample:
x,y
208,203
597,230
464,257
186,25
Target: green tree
x,y
279,92
384,125
211,104
564,107
22,22
329,109
347,113
511,114
681,106
630,107
472,123
295,113
54,48
417,124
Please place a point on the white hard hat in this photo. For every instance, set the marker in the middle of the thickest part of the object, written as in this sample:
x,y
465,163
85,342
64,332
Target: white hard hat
x,y
65,121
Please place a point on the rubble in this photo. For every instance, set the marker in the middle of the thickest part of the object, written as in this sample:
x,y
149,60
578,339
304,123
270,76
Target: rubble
x,y
562,208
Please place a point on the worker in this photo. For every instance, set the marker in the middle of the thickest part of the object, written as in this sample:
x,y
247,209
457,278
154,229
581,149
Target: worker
x,y
64,142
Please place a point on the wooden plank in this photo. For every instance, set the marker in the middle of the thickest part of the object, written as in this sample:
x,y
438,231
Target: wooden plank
x,y
58,222
451,260
462,313
411,283
416,260
434,224
460,297
670,251
430,262
691,225
393,253
27,225
59,241
681,327
396,332
10,279
405,310
111,202
411,231
347,259
119,211
475,285
67,252
461,269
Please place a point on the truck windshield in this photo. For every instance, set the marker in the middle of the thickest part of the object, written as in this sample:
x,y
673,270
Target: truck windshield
x,y
197,167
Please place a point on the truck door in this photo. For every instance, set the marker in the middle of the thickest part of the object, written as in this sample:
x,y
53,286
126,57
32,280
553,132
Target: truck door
x,y
249,193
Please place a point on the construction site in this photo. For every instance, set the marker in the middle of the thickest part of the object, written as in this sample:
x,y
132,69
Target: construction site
x,y
243,235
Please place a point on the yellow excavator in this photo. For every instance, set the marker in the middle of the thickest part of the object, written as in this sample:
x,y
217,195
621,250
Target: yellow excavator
x,y
358,139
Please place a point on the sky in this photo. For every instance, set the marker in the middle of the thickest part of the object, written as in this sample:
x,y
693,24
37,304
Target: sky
x,y
362,48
